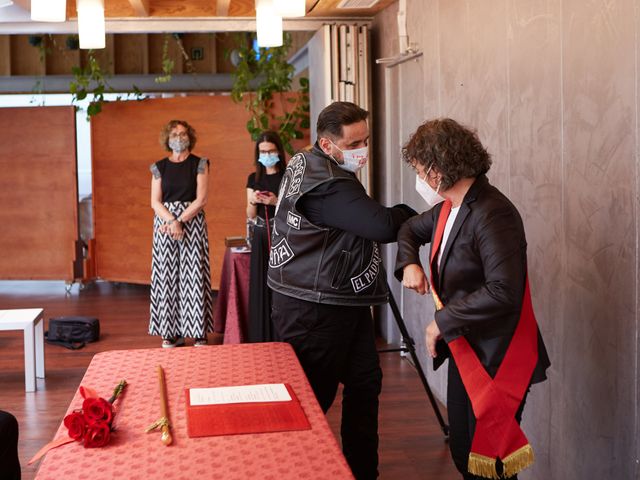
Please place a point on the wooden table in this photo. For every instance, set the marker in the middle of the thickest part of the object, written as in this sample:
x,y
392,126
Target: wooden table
x,y
134,454
31,322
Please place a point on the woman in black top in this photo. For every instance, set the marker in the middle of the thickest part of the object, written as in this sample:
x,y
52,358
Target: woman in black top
x,y
181,303
262,197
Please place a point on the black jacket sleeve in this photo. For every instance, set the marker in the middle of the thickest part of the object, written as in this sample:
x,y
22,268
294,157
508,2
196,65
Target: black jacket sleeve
x,y
345,205
414,233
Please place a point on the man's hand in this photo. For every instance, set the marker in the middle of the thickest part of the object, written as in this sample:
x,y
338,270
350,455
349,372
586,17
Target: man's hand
x,y
413,277
431,337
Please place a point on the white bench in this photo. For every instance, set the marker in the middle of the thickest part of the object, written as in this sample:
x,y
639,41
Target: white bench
x,y
31,322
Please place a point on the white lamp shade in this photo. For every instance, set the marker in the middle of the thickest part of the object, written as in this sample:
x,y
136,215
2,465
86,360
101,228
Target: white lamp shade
x,y
290,8
48,10
91,28
268,26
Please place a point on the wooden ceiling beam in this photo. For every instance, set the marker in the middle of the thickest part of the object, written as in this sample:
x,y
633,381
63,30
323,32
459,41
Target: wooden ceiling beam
x,y
141,7
222,8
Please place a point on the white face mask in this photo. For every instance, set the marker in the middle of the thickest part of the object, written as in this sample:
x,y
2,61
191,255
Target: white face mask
x,y
429,195
354,159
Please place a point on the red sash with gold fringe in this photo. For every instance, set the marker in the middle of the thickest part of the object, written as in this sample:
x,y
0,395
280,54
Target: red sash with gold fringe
x,y
495,401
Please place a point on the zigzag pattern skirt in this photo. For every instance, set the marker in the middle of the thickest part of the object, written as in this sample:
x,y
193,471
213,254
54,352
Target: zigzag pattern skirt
x,y
181,302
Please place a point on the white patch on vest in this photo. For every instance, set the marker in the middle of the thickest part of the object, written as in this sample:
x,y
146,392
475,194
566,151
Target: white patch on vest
x,y
293,220
297,166
369,275
283,187
280,254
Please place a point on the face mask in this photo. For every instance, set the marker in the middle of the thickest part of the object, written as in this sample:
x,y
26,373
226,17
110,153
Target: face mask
x,y
428,194
268,159
178,144
354,159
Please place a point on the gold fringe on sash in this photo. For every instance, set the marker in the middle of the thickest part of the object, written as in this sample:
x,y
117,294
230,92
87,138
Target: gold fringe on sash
x,y
518,461
482,466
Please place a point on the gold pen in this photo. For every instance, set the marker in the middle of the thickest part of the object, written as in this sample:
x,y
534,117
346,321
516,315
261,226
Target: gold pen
x,y
163,421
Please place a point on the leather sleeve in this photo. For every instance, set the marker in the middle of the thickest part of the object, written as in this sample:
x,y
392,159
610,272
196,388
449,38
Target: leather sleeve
x,y
414,233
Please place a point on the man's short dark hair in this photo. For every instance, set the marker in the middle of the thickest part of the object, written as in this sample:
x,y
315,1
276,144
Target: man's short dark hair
x,y
338,114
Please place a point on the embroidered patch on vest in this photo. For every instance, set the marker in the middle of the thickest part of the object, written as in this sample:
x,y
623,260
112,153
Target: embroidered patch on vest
x,y
280,254
283,188
293,220
369,275
297,166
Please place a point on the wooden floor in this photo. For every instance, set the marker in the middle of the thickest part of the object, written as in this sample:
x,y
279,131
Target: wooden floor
x,y
411,442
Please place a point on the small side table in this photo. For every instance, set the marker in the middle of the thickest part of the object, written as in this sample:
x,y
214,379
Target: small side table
x,y
31,322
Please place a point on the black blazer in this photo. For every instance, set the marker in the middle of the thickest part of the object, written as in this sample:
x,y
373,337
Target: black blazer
x,y
482,273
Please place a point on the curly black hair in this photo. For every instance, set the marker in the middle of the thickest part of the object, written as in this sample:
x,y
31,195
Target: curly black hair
x,y
453,150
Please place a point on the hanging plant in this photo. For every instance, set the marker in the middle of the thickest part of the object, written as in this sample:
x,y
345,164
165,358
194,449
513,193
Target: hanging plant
x,y
261,74
167,63
72,42
39,42
90,79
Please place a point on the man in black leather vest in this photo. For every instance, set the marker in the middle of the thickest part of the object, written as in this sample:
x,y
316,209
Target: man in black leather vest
x,y
325,273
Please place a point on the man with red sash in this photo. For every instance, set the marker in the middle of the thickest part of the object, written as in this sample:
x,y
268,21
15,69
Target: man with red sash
x,y
484,321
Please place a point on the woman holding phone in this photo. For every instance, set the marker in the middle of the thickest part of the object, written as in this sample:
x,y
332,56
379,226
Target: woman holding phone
x,y
262,197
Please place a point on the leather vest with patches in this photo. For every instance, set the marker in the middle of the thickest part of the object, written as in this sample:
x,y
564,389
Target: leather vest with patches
x,y
320,264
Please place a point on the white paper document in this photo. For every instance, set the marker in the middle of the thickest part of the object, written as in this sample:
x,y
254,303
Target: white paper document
x,y
271,392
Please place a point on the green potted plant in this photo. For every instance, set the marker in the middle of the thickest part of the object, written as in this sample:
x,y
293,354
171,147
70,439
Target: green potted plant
x,y
262,74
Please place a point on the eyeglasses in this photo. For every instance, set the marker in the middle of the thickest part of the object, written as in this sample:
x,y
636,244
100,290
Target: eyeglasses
x,y
178,134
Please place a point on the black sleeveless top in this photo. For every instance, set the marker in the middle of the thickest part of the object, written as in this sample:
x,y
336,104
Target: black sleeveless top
x,y
179,182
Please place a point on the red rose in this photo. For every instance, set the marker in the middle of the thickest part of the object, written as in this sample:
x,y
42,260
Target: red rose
x,y
97,410
97,435
75,423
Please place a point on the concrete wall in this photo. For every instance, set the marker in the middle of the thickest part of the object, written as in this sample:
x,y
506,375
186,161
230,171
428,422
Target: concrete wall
x,y
552,88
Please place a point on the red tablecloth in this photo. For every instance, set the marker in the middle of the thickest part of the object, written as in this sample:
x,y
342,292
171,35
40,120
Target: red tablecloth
x,y
232,306
136,455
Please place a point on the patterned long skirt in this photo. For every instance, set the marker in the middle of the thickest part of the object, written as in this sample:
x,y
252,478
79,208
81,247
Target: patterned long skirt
x,y
181,302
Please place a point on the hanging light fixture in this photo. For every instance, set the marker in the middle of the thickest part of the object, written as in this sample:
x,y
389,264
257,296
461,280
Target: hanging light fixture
x,y
91,24
291,8
48,10
268,24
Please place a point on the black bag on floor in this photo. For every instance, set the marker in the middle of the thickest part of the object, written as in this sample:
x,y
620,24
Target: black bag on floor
x,y
72,332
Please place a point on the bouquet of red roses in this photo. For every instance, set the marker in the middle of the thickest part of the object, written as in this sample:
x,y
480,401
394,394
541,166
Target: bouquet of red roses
x,y
92,424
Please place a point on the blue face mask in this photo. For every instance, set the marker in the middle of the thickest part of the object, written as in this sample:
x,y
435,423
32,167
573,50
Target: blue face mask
x,y
268,159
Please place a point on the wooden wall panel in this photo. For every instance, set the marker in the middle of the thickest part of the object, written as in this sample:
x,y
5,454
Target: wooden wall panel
x,y
125,143
38,193
25,59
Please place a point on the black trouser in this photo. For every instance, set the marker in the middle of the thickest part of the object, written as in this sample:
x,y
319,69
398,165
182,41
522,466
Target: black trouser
x,y
9,462
336,344
260,325
462,423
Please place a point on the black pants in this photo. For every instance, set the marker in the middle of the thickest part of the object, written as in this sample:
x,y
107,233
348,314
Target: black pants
x,y
462,423
9,462
260,325
336,344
